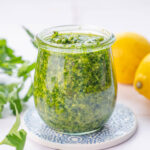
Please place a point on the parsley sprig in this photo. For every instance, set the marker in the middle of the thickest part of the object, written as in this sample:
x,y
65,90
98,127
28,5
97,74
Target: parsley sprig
x,y
10,64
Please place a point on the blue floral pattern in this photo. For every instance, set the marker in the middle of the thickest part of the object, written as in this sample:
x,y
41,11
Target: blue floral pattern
x,y
121,123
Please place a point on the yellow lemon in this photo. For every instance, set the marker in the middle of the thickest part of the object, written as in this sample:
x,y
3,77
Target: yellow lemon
x,y
142,77
128,51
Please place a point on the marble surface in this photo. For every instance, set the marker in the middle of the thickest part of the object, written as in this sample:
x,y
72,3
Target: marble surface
x,y
115,15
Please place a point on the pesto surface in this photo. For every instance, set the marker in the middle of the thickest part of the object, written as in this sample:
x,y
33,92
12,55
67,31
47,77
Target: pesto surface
x,y
75,92
76,40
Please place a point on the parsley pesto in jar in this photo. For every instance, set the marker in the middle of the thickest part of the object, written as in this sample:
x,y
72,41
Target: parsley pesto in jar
x,y
74,83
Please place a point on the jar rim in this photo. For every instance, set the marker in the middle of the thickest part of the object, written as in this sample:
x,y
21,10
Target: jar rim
x,y
109,38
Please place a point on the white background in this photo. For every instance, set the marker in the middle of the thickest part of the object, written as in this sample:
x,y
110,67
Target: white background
x,y
115,15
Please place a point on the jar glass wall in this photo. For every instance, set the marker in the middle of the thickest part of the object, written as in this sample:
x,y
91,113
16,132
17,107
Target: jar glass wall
x,y
74,87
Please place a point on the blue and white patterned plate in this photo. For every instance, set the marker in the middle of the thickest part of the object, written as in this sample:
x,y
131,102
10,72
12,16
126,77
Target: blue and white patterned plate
x,y
121,126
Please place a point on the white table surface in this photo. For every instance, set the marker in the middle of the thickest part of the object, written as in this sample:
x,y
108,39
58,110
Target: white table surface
x,y
115,15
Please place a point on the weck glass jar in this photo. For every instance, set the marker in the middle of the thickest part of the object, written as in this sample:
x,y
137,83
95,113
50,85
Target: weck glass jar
x,y
74,83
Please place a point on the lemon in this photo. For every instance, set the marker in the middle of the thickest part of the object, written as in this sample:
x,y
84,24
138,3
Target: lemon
x,y
142,77
128,51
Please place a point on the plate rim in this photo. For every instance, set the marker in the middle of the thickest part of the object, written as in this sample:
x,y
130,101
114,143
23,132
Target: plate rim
x,y
94,146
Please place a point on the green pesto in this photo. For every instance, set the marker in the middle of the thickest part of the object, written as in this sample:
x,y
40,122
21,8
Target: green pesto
x,y
75,92
75,40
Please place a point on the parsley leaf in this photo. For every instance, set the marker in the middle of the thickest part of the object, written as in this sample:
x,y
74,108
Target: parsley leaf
x,y
8,61
15,137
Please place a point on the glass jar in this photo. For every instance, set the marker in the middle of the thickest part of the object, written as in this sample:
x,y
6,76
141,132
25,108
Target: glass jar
x,y
74,89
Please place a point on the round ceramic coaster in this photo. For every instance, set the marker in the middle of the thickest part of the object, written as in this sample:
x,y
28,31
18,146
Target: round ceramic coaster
x,y
119,128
